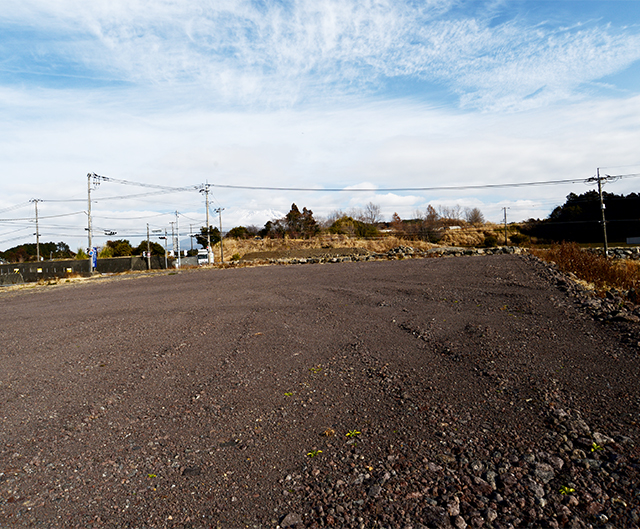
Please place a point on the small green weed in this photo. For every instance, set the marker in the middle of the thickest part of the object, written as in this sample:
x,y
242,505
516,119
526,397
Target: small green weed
x,y
595,446
353,433
314,453
316,369
567,490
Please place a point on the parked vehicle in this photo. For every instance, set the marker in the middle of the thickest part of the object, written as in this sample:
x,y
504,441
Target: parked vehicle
x,y
203,258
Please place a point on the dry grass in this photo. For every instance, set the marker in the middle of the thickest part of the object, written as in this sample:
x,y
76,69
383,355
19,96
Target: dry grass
x,y
477,236
380,245
596,269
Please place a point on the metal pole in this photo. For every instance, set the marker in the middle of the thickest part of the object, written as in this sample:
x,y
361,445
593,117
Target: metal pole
x,y
178,236
173,238
505,226
191,236
35,201
165,249
89,221
604,222
209,252
148,250
219,212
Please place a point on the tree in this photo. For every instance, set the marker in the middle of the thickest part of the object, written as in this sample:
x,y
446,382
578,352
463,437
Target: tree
x,y
371,214
120,248
239,232
156,249
396,223
353,228
296,224
579,219
214,234
28,252
474,216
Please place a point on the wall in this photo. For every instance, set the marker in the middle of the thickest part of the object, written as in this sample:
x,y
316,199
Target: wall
x,y
32,271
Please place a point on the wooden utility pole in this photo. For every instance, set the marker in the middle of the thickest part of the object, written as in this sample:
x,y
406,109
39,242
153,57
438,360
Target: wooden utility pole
x,y
599,179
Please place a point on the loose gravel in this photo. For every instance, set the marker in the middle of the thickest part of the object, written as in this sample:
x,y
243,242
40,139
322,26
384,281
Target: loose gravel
x,y
453,392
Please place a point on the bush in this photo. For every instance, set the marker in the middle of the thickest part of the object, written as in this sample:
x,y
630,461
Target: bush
x,y
591,267
490,240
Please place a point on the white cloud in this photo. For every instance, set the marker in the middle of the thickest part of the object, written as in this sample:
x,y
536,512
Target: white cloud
x,y
280,53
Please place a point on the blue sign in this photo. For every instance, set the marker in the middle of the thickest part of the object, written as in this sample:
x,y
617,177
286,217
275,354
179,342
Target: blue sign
x,y
93,255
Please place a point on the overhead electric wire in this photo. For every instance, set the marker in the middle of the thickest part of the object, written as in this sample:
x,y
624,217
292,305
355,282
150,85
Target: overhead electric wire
x,y
142,184
131,218
43,217
17,206
426,188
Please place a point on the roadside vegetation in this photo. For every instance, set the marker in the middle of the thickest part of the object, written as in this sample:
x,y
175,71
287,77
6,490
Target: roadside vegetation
x,y
594,268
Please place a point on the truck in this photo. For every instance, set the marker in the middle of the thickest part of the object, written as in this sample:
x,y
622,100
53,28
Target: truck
x,y
203,257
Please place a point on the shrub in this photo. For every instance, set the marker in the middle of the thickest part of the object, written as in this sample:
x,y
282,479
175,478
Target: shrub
x,y
490,240
593,268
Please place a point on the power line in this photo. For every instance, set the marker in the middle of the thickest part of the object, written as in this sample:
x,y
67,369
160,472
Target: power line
x,y
47,217
428,188
17,206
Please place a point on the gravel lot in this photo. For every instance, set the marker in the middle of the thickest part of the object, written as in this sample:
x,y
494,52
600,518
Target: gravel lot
x,y
450,392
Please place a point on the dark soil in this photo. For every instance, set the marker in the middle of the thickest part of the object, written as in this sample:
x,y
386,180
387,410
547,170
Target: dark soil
x,y
453,392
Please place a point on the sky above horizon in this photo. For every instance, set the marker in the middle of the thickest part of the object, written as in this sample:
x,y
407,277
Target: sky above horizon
x,y
368,97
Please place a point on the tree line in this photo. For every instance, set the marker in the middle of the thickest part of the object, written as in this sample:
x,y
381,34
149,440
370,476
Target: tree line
x,y
296,224
579,219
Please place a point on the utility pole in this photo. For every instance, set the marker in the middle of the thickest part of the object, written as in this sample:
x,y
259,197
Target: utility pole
x,y
599,180
604,222
191,236
219,212
173,238
178,236
209,252
37,234
96,182
165,245
148,250
165,249
505,225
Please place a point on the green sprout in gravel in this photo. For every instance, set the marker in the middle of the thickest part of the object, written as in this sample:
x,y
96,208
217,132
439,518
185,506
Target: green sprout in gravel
x,y
316,369
314,453
288,394
567,490
595,446
353,433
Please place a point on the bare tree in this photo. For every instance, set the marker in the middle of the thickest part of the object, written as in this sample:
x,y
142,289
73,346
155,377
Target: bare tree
x,y
371,214
474,216
450,212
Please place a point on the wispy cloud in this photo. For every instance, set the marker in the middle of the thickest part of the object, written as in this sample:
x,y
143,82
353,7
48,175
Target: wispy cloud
x,y
282,53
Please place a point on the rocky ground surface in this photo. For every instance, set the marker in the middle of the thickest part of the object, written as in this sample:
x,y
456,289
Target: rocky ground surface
x,y
487,391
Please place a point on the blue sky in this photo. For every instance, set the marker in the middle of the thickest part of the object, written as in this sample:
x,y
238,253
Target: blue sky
x,y
314,94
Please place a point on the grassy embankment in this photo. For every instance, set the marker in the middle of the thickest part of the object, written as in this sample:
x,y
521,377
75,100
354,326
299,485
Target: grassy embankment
x,y
595,269
469,236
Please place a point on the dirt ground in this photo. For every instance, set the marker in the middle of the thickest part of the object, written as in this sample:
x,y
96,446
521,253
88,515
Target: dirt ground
x,y
452,392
